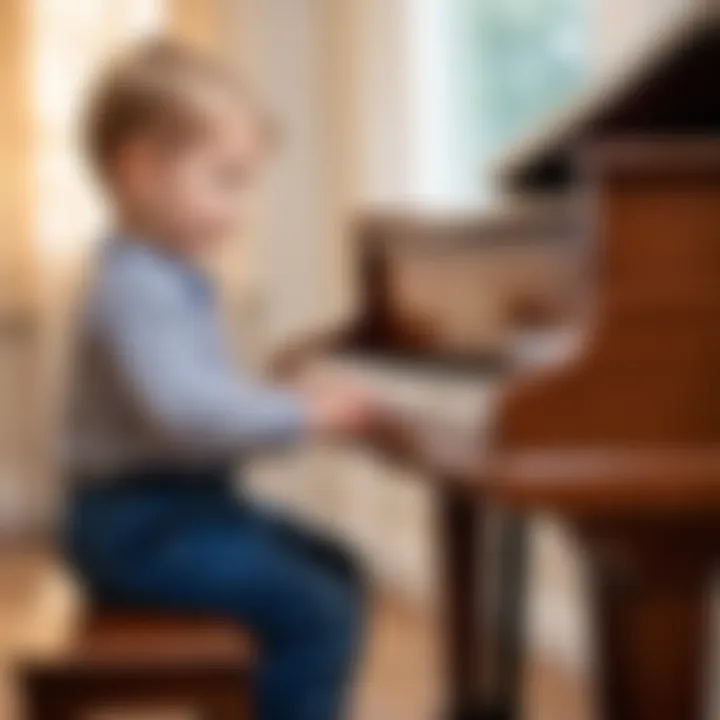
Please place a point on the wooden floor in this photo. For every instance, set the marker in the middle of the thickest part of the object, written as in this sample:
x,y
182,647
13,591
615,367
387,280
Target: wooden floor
x,y
399,678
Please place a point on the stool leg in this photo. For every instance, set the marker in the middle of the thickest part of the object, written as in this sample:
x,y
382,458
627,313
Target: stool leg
x,y
229,706
41,705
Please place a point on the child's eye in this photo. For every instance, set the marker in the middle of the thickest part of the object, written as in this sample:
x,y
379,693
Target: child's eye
x,y
231,176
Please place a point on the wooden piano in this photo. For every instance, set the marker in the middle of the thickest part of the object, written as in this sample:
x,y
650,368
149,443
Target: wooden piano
x,y
623,442
617,431
425,282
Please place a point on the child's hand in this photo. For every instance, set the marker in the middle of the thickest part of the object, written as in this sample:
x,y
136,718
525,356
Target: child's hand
x,y
342,413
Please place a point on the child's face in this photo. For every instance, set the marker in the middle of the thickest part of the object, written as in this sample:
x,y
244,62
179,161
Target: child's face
x,y
193,197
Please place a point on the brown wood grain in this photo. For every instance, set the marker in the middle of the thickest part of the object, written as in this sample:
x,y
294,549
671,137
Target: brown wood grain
x,y
623,443
129,661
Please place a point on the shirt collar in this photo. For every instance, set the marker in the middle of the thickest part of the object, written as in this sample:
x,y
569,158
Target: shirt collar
x,y
197,281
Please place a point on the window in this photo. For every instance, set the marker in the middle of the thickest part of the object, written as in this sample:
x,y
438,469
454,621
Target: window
x,y
520,60
68,40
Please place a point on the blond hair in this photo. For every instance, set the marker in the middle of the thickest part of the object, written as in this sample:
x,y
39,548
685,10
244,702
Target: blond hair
x,y
160,88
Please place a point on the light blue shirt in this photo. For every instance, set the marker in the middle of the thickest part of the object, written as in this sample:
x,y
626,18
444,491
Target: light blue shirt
x,y
153,381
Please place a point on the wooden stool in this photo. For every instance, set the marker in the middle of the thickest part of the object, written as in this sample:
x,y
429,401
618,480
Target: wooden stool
x,y
145,662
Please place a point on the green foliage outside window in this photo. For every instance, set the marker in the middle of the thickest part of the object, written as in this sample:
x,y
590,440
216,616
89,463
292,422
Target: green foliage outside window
x,y
522,59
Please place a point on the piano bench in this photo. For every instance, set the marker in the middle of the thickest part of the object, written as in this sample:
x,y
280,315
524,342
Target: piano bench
x,y
147,662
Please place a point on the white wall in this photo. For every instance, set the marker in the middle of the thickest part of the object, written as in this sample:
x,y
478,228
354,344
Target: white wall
x,y
623,25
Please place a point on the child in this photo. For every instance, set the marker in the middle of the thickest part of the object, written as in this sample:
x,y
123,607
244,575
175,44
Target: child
x,y
158,416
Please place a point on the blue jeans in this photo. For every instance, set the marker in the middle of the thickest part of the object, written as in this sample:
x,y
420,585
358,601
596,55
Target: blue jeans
x,y
187,545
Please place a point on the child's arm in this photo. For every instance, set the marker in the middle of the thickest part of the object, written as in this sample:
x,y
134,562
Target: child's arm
x,y
153,334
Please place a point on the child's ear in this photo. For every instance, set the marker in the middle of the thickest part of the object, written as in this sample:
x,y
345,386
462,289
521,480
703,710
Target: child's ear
x,y
137,163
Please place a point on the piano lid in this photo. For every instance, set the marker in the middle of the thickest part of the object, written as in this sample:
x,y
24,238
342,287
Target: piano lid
x,y
670,88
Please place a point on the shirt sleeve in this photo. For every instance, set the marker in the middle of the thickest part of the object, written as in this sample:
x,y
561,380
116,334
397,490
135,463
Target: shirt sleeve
x,y
199,403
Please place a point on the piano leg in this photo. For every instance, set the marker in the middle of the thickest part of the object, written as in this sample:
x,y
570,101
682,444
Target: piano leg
x,y
462,531
652,628
508,656
460,534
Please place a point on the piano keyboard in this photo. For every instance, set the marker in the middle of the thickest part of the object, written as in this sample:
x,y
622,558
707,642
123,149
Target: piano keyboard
x,y
446,414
